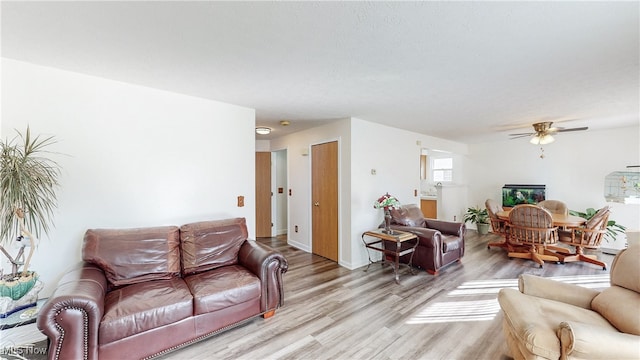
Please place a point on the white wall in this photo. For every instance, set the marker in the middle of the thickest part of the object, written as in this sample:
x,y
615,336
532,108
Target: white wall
x,y
395,156
263,145
392,152
573,169
299,168
135,156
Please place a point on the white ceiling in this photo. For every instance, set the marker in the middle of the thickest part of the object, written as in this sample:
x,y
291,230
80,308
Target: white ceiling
x,y
465,71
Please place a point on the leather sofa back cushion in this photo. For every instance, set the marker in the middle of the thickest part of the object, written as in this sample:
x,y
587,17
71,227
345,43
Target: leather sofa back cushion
x,y
211,244
129,256
620,307
408,215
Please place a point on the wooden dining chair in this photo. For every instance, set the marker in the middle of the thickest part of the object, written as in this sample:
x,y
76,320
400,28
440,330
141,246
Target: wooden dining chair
x,y
554,206
588,236
498,226
532,226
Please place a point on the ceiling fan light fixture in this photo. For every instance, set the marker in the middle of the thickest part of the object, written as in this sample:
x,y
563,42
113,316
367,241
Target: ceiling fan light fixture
x,y
262,130
542,139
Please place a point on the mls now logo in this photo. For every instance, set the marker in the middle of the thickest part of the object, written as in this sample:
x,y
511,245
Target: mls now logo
x,y
21,351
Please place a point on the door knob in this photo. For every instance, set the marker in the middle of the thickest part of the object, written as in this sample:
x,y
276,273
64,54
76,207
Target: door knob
x,y
316,204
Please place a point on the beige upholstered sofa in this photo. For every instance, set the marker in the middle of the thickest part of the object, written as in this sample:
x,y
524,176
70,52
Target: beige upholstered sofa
x,y
547,319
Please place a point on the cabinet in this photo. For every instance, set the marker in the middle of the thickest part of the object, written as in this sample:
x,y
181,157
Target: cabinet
x,y
429,208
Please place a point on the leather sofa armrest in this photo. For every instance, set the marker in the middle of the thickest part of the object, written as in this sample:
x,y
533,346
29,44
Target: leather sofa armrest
x,y
430,238
555,290
70,318
583,341
446,227
268,265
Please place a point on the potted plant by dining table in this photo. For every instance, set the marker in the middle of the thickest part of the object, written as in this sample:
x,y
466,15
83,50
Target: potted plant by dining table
x,y
28,184
480,217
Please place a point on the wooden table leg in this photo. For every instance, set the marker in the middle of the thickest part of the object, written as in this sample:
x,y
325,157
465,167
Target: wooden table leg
x,y
397,264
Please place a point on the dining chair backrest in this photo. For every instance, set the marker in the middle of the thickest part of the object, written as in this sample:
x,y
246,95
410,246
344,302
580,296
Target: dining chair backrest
x,y
493,207
554,206
531,224
595,228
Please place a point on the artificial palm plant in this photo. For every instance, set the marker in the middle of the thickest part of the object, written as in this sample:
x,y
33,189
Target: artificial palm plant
x,y
28,183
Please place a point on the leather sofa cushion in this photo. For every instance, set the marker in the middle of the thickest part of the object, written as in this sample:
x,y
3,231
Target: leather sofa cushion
x,y
222,288
538,333
618,305
129,256
211,244
136,308
408,215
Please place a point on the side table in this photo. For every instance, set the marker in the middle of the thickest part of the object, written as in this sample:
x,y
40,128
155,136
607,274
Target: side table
x,y
396,238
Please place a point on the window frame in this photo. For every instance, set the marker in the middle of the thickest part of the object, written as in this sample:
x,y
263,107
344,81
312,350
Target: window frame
x,y
446,172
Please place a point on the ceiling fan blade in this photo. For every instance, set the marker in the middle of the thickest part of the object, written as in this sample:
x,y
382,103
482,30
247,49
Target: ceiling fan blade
x,y
573,129
518,136
523,134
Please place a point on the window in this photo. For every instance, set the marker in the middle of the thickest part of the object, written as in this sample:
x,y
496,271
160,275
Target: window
x,y
443,169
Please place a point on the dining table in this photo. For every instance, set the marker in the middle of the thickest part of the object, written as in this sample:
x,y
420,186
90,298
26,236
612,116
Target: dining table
x,y
560,220
548,252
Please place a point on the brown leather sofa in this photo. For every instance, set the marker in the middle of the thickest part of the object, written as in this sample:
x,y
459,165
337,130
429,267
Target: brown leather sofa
x,y
139,293
440,242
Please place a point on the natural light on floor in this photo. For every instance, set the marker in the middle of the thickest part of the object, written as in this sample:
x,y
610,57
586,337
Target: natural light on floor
x,y
453,308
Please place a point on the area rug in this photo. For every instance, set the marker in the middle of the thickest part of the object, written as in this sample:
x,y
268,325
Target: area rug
x,y
22,317
35,351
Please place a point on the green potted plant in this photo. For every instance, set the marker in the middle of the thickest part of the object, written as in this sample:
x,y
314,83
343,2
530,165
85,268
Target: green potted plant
x,y
478,216
28,183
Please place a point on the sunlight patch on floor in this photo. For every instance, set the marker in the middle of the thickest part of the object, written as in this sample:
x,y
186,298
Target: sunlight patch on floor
x,y
486,309
478,310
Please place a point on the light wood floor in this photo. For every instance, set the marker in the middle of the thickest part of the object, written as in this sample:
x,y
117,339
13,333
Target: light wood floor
x,y
331,312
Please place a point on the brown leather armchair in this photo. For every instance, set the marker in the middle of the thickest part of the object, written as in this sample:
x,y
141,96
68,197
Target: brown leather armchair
x,y
440,242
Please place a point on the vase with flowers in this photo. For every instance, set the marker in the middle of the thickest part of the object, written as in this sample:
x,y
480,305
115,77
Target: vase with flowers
x,y
388,203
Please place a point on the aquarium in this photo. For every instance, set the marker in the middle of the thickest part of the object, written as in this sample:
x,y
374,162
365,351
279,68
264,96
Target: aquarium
x,y
516,194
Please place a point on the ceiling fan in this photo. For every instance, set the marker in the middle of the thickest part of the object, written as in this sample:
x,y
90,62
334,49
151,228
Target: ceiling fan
x,y
543,132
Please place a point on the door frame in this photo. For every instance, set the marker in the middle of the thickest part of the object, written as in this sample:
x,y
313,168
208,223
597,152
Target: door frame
x,y
310,203
274,190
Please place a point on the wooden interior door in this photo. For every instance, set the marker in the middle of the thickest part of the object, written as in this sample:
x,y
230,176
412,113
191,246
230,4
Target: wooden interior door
x,y
324,200
263,194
